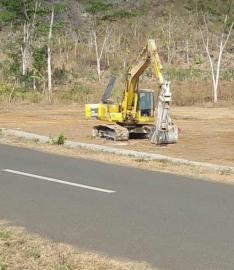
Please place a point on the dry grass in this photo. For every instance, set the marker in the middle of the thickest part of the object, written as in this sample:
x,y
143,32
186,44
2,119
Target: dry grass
x,y
83,90
20,250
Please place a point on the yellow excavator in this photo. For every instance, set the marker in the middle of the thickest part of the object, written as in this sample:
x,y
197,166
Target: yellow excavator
x,y
137,116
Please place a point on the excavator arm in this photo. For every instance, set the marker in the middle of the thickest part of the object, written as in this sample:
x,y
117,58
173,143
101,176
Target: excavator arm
x,y
130,93
165,131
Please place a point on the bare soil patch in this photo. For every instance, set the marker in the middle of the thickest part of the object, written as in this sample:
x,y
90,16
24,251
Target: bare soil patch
x,y
207,133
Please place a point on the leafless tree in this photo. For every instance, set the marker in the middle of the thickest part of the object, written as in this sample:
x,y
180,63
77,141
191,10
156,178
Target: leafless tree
x,y
99,52
215,64
24,48
167,30
28,30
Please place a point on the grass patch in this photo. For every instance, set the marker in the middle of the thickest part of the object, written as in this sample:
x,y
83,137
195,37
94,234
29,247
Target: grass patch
x,y
187,74
96,6
25,95
63,267
77,94
4,236
227,74
140,160
3,266
33,253
8,94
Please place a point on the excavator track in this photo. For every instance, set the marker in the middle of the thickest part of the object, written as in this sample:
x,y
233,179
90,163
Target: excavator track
x,y
112,132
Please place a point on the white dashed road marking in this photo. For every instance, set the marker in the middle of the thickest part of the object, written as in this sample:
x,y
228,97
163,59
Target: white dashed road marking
x,y
58,181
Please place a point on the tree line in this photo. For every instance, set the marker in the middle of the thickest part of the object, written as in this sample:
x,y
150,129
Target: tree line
x,y
42,40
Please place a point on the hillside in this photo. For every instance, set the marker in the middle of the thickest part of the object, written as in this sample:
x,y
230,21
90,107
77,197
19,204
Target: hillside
x,y
127,24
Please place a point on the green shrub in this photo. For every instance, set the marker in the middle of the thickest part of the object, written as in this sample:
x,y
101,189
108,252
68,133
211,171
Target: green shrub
x,y
20,95
120,14
60,140
4,89
40,59
96,6
60,76
125,14
77,94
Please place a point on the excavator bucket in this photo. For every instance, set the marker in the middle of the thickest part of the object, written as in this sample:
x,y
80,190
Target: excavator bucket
x,y
165,131
165,136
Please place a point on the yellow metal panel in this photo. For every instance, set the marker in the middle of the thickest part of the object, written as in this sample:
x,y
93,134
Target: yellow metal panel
x,y
91,110
113,108
102,110
116,117
146,119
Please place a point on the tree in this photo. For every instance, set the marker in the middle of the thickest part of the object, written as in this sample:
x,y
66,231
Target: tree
x,y
215,64
99,52
21,14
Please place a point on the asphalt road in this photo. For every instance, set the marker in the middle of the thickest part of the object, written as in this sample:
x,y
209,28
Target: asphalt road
x,y
170,221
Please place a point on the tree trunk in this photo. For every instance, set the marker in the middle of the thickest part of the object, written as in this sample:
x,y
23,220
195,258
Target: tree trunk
x,y
187,52
99,69
34,80
215,88
24,49
24,61
49,74
49,57
75,49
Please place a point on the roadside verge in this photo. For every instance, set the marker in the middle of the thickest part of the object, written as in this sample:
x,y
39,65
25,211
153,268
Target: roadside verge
x,y
20,250
145,156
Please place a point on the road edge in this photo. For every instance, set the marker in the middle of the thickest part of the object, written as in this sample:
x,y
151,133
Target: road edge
x,y
118,151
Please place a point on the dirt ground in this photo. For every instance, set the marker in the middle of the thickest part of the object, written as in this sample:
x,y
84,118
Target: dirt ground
x,y
207,133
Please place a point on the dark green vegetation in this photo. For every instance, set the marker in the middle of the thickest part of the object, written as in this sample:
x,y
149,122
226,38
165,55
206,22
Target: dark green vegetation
x,y
59,140
24,28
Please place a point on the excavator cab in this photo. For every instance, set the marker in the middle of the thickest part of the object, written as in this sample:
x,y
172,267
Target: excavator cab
x,y
146,102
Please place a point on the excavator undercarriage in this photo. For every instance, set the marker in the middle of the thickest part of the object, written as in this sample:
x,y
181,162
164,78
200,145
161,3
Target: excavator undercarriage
x,y
117,132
